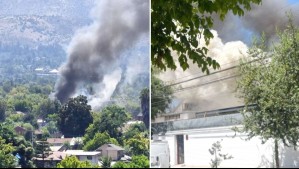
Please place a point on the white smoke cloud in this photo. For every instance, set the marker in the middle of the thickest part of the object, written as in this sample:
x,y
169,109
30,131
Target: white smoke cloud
x,y
104,91
215,95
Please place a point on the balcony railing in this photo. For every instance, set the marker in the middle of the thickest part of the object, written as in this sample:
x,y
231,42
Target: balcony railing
x,y
197,123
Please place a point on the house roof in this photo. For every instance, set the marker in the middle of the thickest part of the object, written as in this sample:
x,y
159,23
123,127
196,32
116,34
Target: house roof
x,y
82,153
58,140
20,129
55,156
111,147
56,148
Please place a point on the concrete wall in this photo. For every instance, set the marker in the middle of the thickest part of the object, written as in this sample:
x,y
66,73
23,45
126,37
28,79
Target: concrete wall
x,y
246,153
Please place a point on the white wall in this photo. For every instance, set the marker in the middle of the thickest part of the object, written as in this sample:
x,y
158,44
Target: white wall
x,y
245,153
95,159
172,148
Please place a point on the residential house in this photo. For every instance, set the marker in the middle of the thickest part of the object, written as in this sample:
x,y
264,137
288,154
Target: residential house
x,y
50,161
113,151
93,157
58,141
20,130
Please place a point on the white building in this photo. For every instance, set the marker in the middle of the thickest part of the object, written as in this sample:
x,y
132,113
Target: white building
x,y
205,110
90,156
191,135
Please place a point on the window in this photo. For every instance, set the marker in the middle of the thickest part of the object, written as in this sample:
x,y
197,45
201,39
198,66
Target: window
x,y
89,157
172,117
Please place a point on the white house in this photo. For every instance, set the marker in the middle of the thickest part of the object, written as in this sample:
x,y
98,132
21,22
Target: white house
x,y
90,156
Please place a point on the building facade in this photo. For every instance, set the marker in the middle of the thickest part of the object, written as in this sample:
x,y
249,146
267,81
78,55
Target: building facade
x,y
191,135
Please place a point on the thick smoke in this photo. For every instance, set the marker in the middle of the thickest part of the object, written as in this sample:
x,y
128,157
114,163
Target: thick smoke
x,y
264,18
95,51
227,47
218,94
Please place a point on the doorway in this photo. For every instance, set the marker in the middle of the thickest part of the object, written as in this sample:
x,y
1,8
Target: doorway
x,y
180,149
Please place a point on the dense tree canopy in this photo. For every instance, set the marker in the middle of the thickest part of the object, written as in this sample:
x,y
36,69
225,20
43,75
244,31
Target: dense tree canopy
x,y
73,162
269,81
111,119
7,160
98,140
47,107
75,117
137,162
139,144
22,147
134,129
176,25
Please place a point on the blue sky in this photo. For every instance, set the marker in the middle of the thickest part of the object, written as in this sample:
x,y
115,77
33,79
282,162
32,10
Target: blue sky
x,y
293,1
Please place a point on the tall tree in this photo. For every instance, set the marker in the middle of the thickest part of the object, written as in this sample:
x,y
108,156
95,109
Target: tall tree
x,y
144,97
75,117
42,149
161,96
269,81
176,25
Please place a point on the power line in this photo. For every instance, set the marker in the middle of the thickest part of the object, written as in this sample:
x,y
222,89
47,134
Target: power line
x,y
209,82
203,84
200,72
198,85
202,76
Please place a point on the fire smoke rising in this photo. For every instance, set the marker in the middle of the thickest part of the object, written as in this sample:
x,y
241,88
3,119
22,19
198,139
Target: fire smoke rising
x,y
231,38
95,51
264,18
216,95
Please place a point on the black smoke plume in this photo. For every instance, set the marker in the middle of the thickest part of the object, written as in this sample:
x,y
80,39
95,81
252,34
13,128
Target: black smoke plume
x,y
95,50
